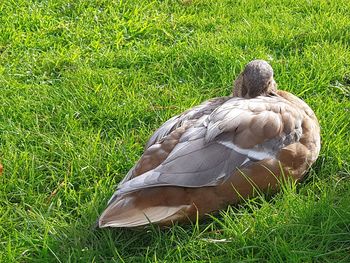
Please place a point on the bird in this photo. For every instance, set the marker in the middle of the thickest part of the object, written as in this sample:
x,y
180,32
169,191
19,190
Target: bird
x,y
217,154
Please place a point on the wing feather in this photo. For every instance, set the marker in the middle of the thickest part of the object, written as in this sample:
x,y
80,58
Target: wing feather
x,y
196,113
233,135
192,163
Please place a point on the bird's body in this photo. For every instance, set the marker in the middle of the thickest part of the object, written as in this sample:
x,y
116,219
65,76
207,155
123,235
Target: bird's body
x,y
217,153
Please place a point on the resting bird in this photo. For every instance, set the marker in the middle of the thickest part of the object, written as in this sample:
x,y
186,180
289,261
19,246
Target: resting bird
x,y
218,153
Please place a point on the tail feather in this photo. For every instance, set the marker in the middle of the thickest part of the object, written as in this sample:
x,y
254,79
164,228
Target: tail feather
x,y
123,213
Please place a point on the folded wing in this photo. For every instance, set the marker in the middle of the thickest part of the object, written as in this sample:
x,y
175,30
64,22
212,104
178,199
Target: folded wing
x,y
234,135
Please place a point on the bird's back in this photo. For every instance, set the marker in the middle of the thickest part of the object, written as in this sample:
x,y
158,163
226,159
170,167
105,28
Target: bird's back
x,y
212,156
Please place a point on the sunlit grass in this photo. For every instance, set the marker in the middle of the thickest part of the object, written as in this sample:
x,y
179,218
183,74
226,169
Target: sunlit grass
x,y
83,85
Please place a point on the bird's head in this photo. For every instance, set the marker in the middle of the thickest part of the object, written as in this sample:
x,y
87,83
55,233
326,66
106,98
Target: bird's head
x,y
255,80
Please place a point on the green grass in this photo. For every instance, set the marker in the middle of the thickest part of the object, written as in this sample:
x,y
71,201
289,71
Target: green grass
x,y
83,85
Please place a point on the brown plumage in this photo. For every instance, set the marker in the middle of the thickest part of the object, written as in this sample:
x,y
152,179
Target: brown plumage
x,y
217,153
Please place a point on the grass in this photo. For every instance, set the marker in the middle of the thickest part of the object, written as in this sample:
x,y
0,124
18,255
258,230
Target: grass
x,y
83,85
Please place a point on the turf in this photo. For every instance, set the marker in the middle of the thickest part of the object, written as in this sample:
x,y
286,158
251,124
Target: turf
x,y
83,85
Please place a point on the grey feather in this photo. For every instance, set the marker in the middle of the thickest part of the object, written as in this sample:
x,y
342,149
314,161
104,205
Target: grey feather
x,y
192,163
163,131
128,176
198,113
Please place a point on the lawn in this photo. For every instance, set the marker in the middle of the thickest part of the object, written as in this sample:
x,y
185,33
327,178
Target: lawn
x,y
83,85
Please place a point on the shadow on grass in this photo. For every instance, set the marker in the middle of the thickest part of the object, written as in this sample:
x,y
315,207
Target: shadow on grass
x,y
308,219
79,242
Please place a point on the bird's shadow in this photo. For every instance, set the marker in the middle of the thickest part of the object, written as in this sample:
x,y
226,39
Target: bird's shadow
x,y
82,241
